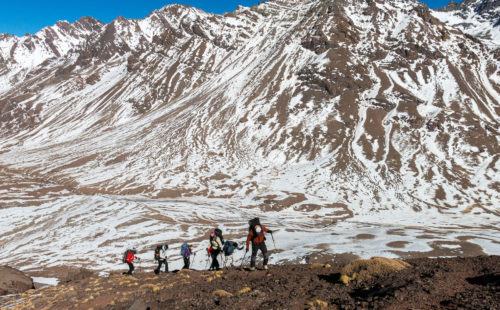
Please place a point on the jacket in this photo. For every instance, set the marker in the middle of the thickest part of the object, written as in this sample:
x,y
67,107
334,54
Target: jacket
x,y
163,254
257,238
130,257
187,253
216,243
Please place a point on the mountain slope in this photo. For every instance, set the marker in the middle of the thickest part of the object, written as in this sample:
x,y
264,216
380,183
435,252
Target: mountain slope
x,y
480,19
306,113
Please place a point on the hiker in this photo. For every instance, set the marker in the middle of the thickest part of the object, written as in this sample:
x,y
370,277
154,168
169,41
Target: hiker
x,y
186,251
215,248
128,257
161,257
256,235
228,249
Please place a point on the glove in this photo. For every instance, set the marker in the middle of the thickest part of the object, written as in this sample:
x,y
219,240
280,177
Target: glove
x,y
270,231
246,251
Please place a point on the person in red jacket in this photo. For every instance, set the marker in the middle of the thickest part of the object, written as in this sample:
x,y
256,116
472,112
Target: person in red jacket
x,y
130,258
256,235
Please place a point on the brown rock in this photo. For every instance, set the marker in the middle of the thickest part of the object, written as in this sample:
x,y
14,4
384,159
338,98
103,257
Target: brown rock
x,y
13,281
222,293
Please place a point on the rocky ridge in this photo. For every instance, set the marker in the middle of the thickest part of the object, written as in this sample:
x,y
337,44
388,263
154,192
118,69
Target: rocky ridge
x,y
448,283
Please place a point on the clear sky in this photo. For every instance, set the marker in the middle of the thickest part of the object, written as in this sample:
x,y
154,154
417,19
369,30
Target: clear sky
x,y
19,17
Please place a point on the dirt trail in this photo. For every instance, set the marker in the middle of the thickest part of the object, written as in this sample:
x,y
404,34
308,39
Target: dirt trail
x,y
447,283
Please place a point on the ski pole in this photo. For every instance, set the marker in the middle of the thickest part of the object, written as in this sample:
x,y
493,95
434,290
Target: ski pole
x,y
272,236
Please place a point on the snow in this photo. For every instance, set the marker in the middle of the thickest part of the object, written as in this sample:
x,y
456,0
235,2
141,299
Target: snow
x,y
46,281
472,24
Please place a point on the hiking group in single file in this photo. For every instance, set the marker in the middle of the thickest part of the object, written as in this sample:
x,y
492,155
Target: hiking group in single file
x,y
217,246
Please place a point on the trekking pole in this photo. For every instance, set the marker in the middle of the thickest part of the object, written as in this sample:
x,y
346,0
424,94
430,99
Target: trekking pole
x,y
241,265
273,242
208,261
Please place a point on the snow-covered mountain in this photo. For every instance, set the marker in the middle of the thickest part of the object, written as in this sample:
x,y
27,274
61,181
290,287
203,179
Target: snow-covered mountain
x,y
478,18
338,119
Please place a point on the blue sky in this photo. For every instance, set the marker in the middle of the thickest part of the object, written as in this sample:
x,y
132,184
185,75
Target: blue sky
x,y
28,16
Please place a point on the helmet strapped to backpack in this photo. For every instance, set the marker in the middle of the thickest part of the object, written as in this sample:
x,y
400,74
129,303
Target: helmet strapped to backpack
x,y
255,226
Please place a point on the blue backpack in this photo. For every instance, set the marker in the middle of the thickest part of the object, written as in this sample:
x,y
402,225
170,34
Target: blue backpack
x,y
229,247
184,248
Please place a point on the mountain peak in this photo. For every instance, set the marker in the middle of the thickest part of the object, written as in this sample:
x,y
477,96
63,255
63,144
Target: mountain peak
x,y
477,18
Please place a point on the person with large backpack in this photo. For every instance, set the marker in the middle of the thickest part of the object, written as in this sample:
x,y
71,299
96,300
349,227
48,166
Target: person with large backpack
x,y
186,251
256,235
228,249
215,248
128,257
161,257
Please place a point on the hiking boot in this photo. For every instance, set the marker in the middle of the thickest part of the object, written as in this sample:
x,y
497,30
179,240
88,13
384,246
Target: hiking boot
x,y
265,267
252,268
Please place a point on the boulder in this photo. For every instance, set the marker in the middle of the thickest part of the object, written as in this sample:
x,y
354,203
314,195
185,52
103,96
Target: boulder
x,y
78,274
364,269
13,281
222,293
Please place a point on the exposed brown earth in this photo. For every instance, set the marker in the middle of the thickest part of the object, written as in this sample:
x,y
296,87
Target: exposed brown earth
x,y
13,281
445,283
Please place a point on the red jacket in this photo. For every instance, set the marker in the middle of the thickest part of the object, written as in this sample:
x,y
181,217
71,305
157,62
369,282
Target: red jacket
x,y
130,257
258,238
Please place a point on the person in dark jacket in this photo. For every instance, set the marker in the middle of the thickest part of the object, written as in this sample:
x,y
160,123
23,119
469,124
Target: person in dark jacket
x,y
256,236
162,258
187,256
228,249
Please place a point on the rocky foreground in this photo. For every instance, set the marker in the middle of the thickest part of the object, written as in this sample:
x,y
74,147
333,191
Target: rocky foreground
x,y
447,283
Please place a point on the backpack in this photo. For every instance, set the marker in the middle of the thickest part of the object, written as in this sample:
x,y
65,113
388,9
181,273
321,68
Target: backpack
x,y
218,233
157,252
184,248
125,254
228,248
254,223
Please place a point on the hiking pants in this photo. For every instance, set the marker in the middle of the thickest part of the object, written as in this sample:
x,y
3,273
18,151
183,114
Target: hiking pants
x,y
255,248
215,262
186,263
160,262
227,258
130,268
